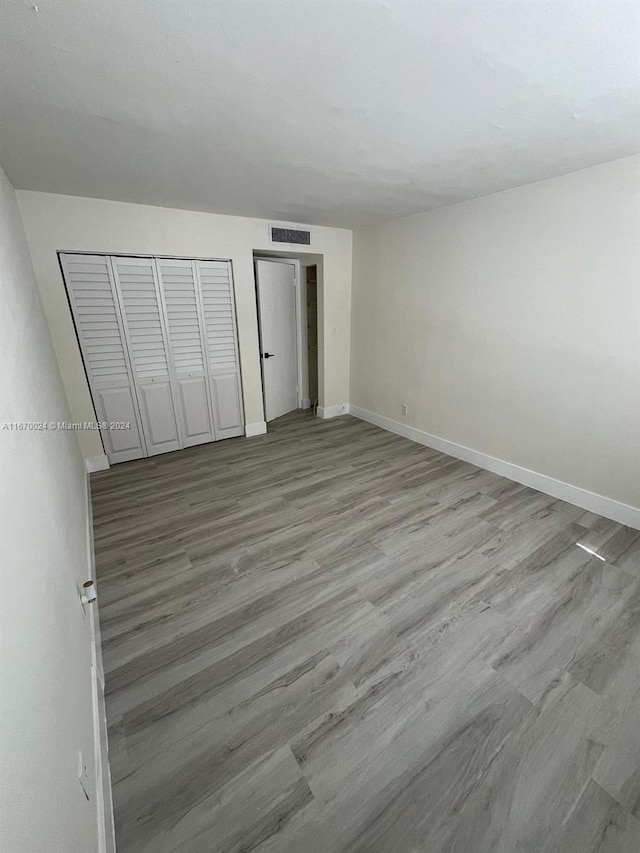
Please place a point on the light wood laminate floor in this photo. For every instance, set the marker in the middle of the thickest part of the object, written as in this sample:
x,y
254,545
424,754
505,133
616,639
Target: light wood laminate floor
x,y
332,639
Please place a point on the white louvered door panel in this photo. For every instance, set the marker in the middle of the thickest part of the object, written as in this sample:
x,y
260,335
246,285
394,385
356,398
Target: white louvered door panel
x,y
221,344
137,287
184,325
98,324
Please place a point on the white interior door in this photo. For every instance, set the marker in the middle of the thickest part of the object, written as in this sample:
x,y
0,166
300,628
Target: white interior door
x,y
137,285
276,287
98,323
186,341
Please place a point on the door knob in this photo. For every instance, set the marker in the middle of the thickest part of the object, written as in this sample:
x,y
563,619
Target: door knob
x,y
268,354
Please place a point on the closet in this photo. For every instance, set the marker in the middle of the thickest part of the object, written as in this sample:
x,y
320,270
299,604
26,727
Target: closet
x,y
159,344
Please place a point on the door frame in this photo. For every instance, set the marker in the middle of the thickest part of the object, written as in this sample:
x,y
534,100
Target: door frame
x,y
295,262
308,402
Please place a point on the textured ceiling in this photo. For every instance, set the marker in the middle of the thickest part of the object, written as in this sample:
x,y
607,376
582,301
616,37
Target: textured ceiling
x,y
318,111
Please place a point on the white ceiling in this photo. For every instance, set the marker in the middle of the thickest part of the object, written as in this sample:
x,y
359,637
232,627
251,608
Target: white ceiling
x,y
317,111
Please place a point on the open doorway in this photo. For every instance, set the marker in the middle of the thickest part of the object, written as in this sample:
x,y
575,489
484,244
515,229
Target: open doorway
x,y
311,275
288,296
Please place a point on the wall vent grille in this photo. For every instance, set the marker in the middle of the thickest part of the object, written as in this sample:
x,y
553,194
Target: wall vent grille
x,y
290,235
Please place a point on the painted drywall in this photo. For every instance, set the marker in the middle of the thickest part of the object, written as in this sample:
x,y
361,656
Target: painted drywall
x,y
68,223
511,325
326,112
46,710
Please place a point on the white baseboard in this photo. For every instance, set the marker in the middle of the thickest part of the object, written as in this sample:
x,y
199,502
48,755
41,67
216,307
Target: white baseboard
x,y
258,428
620,512
305,403
333,411
96,463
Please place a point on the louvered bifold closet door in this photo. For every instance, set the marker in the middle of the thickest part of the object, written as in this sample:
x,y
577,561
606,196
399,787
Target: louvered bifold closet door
x,y
216,289
184,325
99,327
138,290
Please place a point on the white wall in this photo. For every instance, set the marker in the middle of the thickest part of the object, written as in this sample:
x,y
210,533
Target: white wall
x,y
511,325
46,712
67,223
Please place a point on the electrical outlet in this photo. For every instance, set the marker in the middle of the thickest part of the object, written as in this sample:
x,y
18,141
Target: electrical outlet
x,y
405,409
83,774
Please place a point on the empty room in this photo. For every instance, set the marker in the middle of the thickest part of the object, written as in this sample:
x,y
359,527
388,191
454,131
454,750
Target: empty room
x,y
320,434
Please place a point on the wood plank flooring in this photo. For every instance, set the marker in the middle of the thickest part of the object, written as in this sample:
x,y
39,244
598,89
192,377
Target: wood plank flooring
x,y
329,639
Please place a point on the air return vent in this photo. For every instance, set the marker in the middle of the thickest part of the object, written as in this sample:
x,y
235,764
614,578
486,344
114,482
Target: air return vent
x,y
291,235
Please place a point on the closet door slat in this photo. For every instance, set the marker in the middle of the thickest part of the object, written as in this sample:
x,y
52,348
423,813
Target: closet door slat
x,y
139,296
223,363
184,325
94,305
